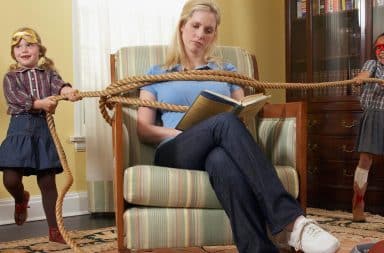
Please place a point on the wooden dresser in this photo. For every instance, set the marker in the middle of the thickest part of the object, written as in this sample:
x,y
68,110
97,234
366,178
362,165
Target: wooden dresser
x,y
332,129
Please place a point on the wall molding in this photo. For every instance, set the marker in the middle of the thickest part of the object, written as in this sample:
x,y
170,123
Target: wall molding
x,y
75,203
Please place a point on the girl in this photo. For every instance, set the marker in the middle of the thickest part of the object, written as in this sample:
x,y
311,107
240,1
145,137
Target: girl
x,y
370,139
28,148
244,181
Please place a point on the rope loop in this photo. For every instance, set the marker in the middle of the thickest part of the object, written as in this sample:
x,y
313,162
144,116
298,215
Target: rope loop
x,y
125,91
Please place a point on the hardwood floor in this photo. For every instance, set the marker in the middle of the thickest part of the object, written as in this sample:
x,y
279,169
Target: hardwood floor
x,y
40,228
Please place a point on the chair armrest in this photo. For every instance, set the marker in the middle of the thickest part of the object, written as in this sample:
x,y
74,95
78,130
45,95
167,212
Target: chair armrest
x,y
282,114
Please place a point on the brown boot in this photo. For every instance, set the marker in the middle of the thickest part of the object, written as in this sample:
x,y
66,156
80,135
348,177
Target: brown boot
x,y
358,203
55,236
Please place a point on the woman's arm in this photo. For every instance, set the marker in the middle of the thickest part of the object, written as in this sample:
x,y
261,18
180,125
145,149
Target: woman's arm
x,y
147,131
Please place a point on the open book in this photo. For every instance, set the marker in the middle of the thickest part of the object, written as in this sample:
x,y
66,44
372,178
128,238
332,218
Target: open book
x,y
209,103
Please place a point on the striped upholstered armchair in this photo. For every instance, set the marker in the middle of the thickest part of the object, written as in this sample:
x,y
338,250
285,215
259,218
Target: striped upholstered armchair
x,y
159,207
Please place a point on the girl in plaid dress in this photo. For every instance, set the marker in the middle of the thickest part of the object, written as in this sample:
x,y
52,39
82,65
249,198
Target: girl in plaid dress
x,y
28,148
370,140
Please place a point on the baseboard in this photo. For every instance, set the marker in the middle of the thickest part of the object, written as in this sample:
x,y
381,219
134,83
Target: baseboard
x,y
74,204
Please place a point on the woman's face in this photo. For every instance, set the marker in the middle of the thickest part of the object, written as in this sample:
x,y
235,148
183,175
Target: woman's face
x,y
379,49
199,32
26,54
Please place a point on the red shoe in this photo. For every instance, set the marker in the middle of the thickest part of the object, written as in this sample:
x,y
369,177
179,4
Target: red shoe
x,y
21,213
55,236
358,203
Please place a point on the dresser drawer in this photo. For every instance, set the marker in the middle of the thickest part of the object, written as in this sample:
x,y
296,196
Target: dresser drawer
x,y
334,123
341,104
332,172
329,173
332,147
330,184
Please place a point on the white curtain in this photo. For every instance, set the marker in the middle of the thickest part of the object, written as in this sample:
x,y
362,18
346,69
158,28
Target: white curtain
x,y
100,27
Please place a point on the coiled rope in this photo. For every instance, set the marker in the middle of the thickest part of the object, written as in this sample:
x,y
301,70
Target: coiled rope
x,y
117,93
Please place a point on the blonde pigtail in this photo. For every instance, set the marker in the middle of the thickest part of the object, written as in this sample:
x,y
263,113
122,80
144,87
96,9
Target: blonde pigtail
x,y
46,63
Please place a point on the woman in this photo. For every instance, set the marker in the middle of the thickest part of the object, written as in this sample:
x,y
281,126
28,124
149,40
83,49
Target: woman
x,y
244,181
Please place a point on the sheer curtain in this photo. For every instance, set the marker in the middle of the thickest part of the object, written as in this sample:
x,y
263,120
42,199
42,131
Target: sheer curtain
x,y
100,27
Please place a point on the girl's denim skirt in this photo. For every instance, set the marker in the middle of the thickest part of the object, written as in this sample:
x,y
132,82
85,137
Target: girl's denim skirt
x,y
28,146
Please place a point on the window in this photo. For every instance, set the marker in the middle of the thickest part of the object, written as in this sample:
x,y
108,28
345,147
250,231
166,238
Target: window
x,y
100,27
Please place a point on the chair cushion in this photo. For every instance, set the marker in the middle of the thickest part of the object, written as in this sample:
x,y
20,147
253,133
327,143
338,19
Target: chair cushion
x,y
175,227
150,185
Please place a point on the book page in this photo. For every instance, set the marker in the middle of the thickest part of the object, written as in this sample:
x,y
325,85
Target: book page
x,y
201,109
253,105
250,99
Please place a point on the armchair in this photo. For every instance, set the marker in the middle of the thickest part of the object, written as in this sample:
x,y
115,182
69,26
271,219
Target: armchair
x,y
160,207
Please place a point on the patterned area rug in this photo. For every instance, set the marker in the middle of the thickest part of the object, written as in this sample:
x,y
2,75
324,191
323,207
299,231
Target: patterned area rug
x,y
349,233
97,240
104,240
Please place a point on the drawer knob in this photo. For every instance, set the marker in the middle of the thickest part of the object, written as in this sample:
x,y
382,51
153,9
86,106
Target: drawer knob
x,y
348,125
348,173
344,148
312,147
312,123
313,170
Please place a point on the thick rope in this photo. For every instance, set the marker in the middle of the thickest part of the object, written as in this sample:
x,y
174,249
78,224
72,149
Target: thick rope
x,y
119,91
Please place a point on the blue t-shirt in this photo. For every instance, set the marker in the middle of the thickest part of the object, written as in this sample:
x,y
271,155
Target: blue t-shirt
x,y
180,92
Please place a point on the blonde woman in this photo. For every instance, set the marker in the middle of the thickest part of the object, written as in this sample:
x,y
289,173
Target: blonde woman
x,y
244,181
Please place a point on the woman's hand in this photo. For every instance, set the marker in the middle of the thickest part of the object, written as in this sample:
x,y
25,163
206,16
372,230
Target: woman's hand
x,y
147,129
238,94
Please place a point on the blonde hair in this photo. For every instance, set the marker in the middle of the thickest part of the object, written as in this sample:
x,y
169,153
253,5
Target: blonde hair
x,y
176,52
33,37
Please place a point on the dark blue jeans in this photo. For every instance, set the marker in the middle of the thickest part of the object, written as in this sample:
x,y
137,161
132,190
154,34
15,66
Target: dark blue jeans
x,y
244,181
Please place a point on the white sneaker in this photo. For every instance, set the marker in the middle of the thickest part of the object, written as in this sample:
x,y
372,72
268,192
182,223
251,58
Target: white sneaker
x,y
308,237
